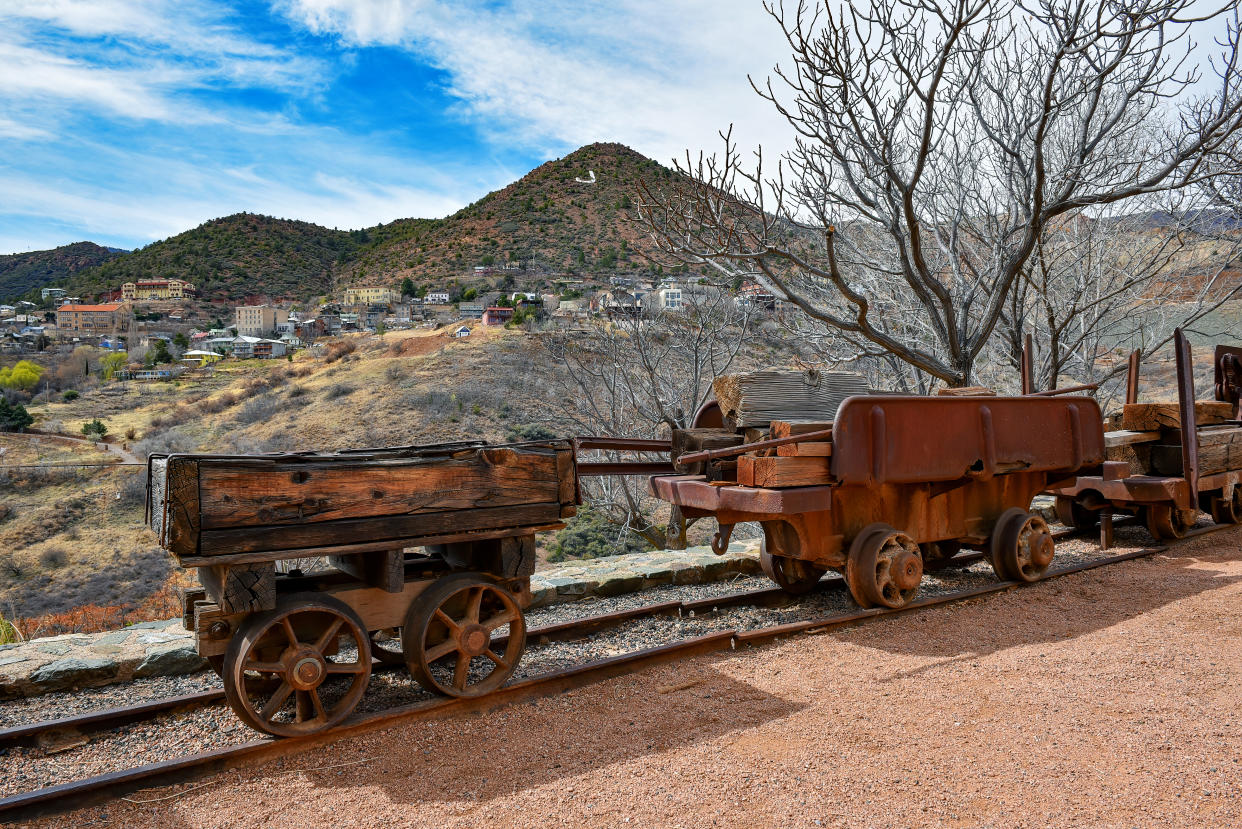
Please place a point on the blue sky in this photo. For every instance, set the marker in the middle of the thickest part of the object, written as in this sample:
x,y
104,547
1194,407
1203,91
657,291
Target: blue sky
x,y
127,121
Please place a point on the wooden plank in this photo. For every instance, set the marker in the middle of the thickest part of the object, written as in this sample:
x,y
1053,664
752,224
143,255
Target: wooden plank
x,y
384,569
966,391
1145,417
1166,459
783,472
241,588
297,493
181,515
758,397
788,429
1123,437
810,449
568,480
362,546
394,528
517,556
1208,435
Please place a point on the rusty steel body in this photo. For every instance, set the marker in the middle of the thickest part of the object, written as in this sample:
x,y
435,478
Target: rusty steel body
x,y
934,468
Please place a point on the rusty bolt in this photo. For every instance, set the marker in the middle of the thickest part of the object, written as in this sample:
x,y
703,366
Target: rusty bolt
x,y
218,630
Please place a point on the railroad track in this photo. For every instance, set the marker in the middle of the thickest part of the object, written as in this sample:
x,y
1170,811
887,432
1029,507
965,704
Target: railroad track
x,y
99,788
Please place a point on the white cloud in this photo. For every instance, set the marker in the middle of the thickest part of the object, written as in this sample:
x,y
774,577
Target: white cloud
x,y
136,59
661,77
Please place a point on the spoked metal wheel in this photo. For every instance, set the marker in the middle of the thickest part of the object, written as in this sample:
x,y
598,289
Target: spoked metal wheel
x,y
1021,546
884,567
450,633
1168,522
300,668
1226,510
1073,514
386,646
793,575
938,554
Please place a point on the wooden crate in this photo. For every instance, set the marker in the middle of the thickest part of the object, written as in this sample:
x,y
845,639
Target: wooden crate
x,y
205,505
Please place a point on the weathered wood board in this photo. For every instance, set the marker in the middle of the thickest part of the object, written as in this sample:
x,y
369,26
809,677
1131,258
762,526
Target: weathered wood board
x,y
212,505
759,397
787,429
1146,417
1220,450
777,472
810,449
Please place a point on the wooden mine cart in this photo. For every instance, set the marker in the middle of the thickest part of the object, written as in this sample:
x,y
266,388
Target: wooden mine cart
x,y
295,648
892,485
1158,469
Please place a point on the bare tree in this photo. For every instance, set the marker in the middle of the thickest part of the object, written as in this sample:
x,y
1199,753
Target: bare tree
x,y
935,144
642,375
1095,288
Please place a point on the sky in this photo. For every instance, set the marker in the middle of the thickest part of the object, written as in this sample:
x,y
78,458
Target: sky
x,y
127,121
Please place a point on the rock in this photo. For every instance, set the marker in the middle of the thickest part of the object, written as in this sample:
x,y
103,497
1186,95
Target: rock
x,y
54,648
10,660
171,661
76,670
117,637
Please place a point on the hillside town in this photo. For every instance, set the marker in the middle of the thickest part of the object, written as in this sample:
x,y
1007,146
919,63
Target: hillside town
x,y
133,317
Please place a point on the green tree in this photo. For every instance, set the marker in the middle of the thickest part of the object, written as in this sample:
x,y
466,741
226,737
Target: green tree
x,y
469,294
380,328
110,364
159,353
96,428
181,340
13,416
23,377
407,287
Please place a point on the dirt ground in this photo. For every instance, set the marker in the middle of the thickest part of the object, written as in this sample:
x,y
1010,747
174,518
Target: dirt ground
x,y
1108,698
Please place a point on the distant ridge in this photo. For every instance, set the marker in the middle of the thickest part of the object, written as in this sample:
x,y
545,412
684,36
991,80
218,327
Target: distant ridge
x,y
24,273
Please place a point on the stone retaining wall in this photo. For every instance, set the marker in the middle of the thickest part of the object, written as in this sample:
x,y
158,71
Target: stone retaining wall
x,y
165,648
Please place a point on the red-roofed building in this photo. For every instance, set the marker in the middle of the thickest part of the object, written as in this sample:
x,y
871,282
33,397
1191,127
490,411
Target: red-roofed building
x,y
93,320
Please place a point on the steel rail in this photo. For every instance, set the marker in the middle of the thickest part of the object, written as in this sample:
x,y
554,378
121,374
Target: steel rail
x,y
105,719
88,791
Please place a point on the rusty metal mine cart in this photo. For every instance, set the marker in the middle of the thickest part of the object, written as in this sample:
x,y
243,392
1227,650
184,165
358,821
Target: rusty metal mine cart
x,y
295,649
1160,471
893,485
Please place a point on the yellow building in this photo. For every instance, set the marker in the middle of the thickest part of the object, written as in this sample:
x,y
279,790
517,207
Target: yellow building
x,y
157,289
370,296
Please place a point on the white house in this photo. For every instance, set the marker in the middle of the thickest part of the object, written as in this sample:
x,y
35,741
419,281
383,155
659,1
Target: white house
x,y
462,331
671,299
437,298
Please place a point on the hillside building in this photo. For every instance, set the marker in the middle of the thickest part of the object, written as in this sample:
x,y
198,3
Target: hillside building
x,y
258,320
436,298
157,289
370,296
497,315
53,293
108,320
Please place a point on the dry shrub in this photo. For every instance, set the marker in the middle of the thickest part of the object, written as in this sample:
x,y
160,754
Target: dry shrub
x,y
164,603
339,349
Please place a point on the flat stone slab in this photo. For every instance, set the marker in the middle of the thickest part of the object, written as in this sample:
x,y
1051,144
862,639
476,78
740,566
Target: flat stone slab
x,y
165,648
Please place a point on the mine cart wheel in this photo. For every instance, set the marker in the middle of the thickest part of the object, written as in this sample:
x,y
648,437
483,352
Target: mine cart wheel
x,y
938,554
298,669
447,637
884,567
1167,522
1021,547
1226,510
1073,514
386,646
793,575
